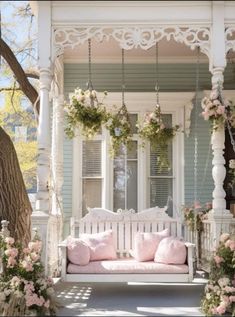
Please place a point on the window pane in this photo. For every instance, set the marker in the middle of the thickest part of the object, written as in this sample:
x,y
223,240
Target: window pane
x,y
119,182
91,158
125,178
91,194
154,153
132,150
132,185
155,170
160,189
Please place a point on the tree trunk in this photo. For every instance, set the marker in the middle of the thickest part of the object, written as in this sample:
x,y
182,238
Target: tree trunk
x,y
14,201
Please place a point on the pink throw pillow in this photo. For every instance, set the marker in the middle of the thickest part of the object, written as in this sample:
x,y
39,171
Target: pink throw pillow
x,y
77,251
171,251
101,245
146,244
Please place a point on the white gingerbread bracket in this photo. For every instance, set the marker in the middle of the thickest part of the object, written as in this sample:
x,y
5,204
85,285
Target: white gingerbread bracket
x,y
229,38
132,37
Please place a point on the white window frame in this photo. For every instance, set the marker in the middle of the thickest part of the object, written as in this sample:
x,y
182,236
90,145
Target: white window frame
x,y
139,103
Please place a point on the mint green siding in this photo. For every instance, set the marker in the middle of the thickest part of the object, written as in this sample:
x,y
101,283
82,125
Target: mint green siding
x,y
141,77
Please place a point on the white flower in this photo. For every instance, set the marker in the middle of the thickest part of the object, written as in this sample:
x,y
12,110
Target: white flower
x,y
232,164
18,294
224,237
223,281
7,291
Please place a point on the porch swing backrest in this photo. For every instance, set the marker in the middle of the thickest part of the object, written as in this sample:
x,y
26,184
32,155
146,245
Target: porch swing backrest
x,y
125,224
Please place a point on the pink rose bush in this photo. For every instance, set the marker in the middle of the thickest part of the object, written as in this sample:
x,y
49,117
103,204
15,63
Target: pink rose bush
x,y
219,297
23,286
198,211
154,130
217,110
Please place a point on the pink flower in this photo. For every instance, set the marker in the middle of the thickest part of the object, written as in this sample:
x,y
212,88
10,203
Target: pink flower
x,y
232,299
29,287
218,259
13,252
220,109
35,246
9,240
27,266
221,309
205,115
26,250
230,244
162,126
11,262
197,204
209,205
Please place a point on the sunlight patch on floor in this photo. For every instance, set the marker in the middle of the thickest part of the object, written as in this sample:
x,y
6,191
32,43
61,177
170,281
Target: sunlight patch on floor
x,y
171,311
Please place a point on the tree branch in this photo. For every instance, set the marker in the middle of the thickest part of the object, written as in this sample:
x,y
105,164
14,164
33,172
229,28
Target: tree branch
x,y
9,89
27,88
32,75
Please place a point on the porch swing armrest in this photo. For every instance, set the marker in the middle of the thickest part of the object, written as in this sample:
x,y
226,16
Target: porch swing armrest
x,y
190,259
63,249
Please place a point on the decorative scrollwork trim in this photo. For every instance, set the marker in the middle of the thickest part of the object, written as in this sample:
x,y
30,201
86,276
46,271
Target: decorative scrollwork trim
x,y
134,37
230,43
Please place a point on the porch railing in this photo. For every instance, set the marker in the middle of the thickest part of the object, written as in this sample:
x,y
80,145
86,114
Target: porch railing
x,y
204,241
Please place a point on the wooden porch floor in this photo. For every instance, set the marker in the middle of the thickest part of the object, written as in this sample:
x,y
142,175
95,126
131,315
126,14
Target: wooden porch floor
x,y
132,299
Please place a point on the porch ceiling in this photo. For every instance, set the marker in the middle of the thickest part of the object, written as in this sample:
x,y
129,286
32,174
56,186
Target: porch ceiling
x,y
110,52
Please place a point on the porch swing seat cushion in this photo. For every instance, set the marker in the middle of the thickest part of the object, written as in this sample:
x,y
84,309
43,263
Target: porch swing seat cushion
x,y
127,266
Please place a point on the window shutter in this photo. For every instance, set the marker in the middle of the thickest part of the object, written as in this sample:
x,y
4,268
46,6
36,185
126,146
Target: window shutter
x,y
91,158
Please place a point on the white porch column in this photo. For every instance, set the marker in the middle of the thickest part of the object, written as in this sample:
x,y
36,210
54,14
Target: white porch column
x,y
57,154
41,216
219,216
43,175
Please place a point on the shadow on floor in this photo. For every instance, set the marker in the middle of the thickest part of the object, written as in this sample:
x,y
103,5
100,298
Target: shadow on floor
x,y
132,299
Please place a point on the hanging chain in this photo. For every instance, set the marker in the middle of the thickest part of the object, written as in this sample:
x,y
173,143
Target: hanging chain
x,y
123,78
157,73
230,134
89,84
228,124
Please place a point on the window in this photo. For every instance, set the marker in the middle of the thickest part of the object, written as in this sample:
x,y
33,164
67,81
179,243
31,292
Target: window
x,y
132,179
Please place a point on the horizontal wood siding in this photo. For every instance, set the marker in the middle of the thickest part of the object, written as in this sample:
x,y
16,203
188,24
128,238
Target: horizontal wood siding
x,y
198,159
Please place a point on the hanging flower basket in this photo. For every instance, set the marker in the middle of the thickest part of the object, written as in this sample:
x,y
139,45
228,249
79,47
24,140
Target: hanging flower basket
x,y
119,127
218,111
86,112
154,131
